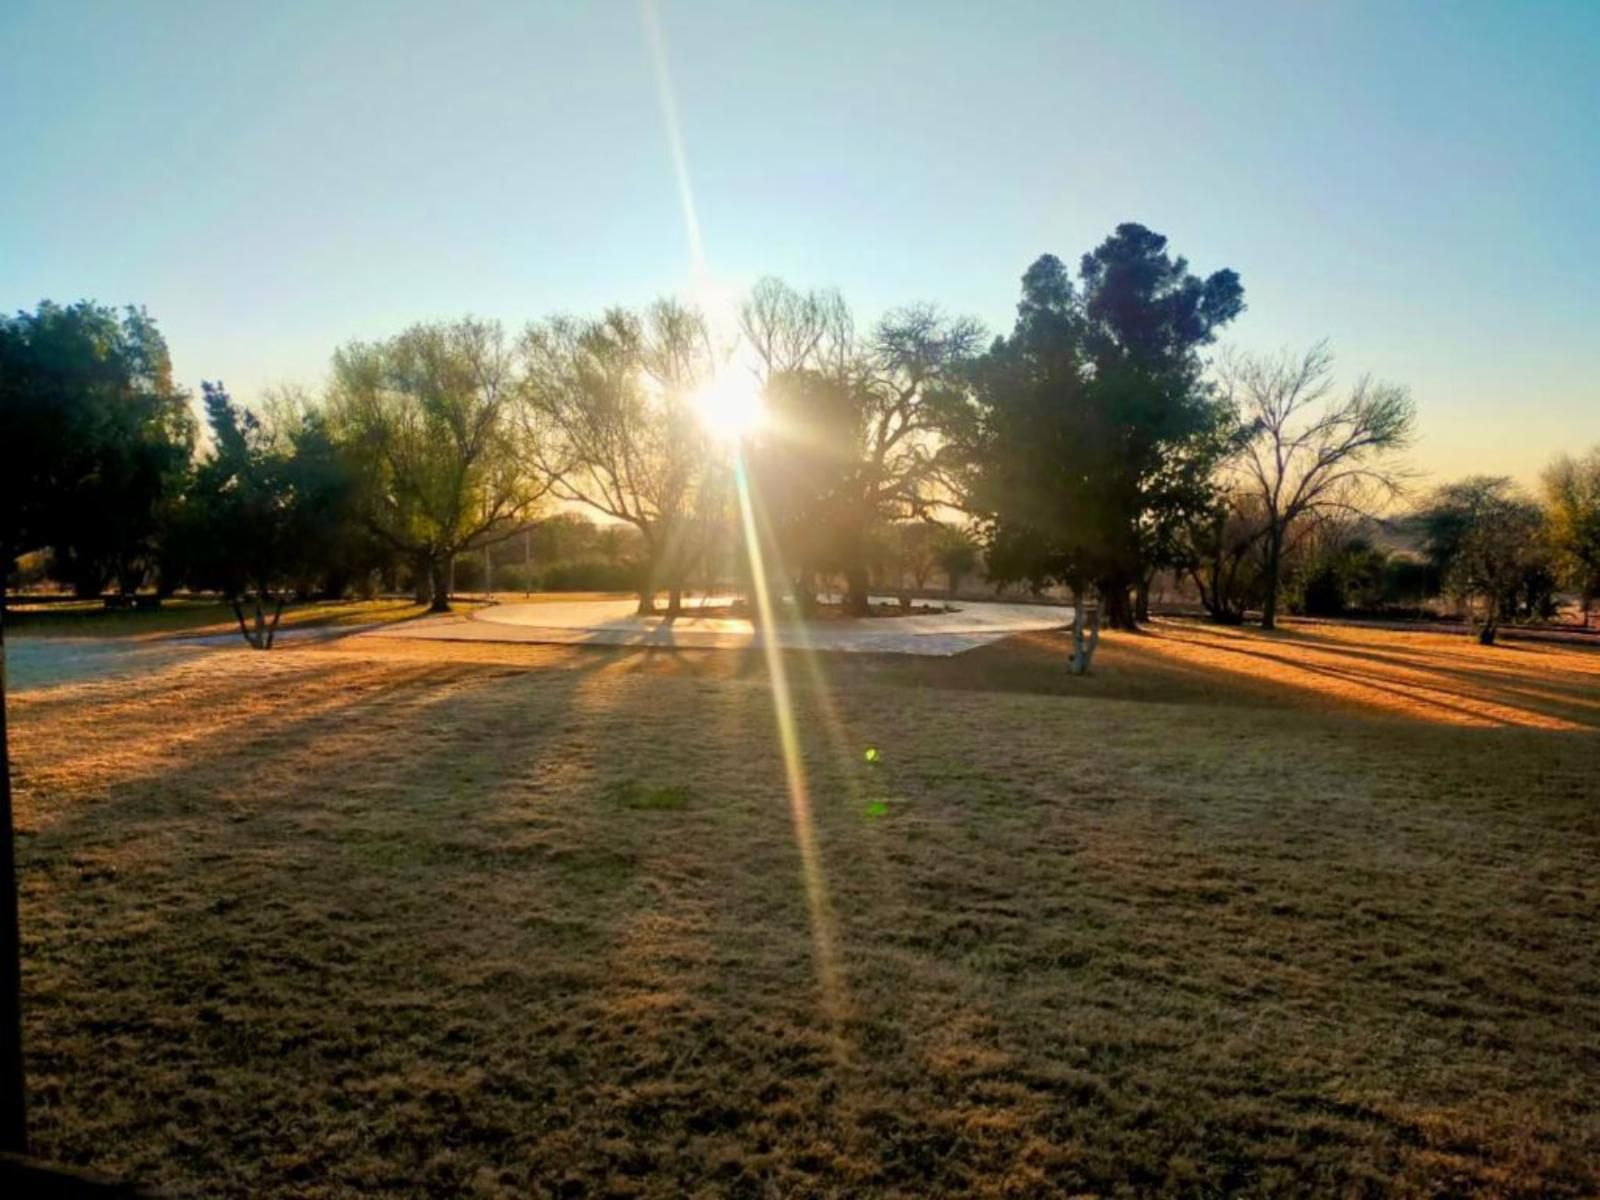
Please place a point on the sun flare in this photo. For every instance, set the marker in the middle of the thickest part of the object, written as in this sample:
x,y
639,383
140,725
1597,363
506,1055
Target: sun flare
x,y
730,405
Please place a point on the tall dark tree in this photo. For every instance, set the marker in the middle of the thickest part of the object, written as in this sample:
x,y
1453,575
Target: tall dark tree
x,y
237,530
94,439
1094,434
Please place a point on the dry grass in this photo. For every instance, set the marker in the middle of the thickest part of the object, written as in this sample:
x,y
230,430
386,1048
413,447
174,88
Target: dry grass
x,y
194,616
1239,915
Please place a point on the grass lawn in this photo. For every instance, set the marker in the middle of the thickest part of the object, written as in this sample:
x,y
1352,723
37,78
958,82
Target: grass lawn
x,y
190,615
1307,914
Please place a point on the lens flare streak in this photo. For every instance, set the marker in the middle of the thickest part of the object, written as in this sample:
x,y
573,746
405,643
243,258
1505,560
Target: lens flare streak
x,y
818,908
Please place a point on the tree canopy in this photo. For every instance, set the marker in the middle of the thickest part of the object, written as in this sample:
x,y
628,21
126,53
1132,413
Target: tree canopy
x,y
1095,430
94,441
428,421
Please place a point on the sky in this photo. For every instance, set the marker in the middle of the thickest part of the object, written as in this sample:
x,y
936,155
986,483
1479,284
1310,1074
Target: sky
x,y
1417,182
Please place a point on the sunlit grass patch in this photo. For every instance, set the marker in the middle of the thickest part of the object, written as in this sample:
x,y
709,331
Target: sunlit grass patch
x,y
191,616
423,918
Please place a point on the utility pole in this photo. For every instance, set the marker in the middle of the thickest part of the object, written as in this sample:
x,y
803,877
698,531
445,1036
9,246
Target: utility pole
x,y
13,1113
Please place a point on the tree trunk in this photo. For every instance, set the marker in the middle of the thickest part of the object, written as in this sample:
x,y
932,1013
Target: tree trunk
x,y
1487,632
421,580
1141,600
675,599
1269,601
856,592
272,630
244,629
439,569
1117,607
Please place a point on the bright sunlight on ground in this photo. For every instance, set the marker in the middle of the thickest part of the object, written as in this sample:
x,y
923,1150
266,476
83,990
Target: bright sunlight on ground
x,y
1237,914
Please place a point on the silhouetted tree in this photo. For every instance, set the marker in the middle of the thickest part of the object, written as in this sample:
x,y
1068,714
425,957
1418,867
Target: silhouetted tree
x,y
1305,455
428,423
1487,541
610,404
853,440
94,441
1219,549
248,527
1093,435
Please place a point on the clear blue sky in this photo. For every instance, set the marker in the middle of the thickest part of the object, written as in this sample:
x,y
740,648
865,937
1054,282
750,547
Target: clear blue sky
x,y
1418,182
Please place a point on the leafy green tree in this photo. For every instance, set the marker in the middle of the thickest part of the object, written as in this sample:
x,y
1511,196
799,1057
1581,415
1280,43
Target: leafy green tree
x,y
1488,542
1572,508
1155,426
94,440
1093,435
248,526
1348,572
428,424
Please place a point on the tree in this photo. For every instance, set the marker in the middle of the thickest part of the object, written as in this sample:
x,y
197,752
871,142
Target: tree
x,y
427,421
1219,550
610,407
853,442
956,552
94,440
1345,570
1572,507
1306,455
253,521
1092,435
1487,540
909,554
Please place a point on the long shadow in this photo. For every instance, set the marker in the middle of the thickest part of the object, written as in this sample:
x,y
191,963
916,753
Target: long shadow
x,y
202,924
1376,683
1490,682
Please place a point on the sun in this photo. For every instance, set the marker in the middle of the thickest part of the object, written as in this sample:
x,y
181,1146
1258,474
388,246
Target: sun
x,y
730,405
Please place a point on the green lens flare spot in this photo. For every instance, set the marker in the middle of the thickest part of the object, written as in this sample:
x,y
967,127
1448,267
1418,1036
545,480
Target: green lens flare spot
x,y
872,754
877,808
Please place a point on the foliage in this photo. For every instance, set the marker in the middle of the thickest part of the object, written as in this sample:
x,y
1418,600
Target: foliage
x,y
1348,574
956,552
852,443
1094,437
1302,461
260,518
1487,540
609,404
426,420
1572,508
1219,548
94,441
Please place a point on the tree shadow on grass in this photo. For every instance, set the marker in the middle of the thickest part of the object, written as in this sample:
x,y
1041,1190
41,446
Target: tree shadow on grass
x,y
227,927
